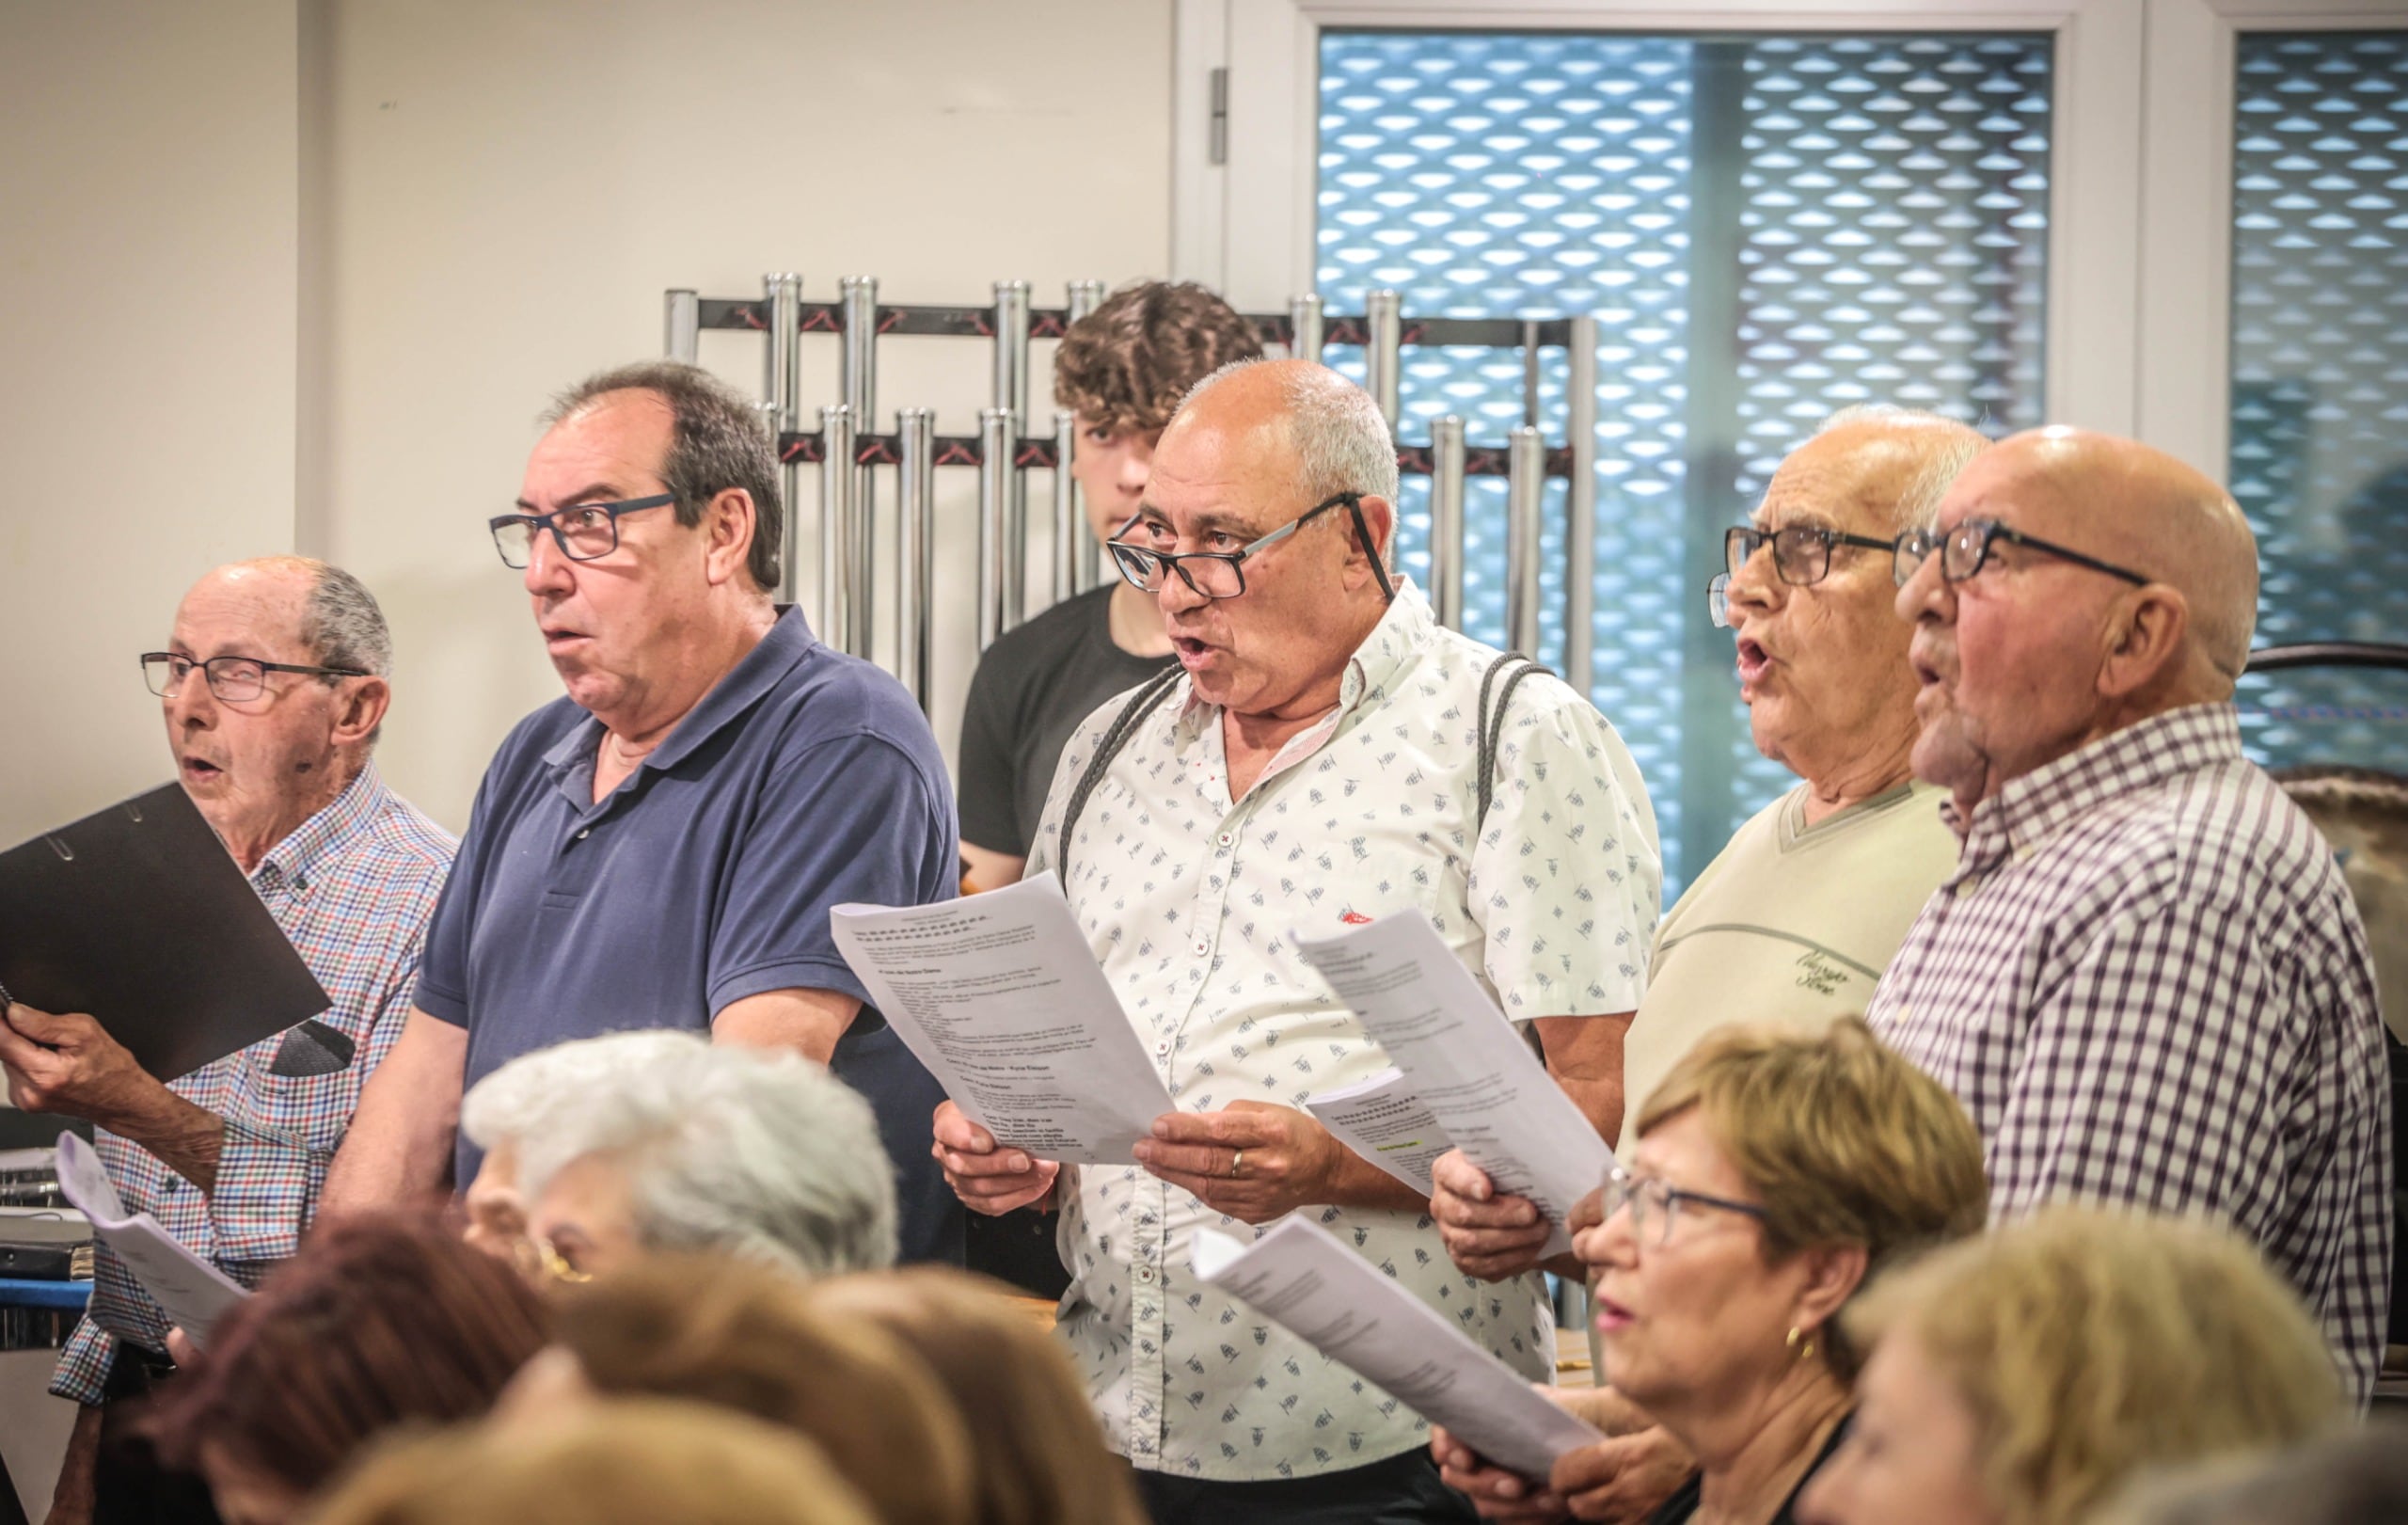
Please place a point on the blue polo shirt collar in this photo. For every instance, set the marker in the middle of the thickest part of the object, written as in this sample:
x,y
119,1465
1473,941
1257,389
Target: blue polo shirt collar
x,y
763,668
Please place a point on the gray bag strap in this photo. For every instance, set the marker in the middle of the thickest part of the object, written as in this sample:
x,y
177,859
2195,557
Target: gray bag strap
x,y
1143,702
1492,724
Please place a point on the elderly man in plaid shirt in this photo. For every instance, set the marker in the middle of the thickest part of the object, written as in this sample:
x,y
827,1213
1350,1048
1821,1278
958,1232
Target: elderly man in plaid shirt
x,y
2146,978
273,686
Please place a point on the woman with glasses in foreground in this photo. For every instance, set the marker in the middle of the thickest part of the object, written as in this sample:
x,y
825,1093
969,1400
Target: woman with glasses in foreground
x,y
1776,1172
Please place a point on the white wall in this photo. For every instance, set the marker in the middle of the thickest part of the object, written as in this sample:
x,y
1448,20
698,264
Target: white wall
x,y
148,221
499,194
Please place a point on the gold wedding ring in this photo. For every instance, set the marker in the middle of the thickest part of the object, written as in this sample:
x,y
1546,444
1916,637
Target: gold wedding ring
x,y
1236,1164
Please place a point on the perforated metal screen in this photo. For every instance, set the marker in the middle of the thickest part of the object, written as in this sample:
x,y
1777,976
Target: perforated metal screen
x,y
2319,377
1768,228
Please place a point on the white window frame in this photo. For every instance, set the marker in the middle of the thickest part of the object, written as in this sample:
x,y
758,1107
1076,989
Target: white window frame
x,y
2185,334
1246,225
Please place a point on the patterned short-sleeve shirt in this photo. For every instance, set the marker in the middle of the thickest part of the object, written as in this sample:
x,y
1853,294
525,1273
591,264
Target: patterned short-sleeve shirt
x,y
2148,983
1188,899
352,887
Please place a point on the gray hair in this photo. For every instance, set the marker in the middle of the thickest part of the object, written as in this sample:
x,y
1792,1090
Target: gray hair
x,y
759,1153
535,1094
343,625
1944,446
719,441
1342,442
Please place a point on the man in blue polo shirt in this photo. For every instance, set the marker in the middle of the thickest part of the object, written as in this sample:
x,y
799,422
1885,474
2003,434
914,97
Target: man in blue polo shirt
x,y
661,847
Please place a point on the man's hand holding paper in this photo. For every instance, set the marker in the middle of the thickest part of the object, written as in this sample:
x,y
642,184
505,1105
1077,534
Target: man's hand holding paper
x,y
1256,1162
988,1177
1491,1235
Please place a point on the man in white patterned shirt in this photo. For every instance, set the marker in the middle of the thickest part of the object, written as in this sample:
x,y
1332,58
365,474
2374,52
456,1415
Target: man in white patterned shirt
x,y
2146,978
1315,765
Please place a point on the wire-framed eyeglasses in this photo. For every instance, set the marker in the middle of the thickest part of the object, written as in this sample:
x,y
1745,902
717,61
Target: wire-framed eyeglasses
x,y
1221,574
1653,1201
583,532
232,679
1966,547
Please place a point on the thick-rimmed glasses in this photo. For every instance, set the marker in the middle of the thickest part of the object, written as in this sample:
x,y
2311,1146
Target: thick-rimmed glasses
x,y
232,679
1966,547
584,532
1221,574
1801,553
1652,1201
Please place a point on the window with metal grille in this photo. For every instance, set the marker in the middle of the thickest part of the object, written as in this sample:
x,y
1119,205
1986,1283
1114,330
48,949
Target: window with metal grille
x,y
2320,380
1767,228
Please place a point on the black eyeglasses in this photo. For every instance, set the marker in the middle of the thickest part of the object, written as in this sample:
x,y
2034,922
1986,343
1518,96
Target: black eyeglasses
x,y
1220,574
1965,548
584,532
1801,553
1651,1196
231,678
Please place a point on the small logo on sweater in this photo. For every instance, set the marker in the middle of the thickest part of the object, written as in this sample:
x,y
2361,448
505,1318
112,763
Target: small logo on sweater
x,y
1354,918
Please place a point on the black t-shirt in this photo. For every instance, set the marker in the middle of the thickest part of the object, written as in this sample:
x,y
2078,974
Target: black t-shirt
x,y
1031,691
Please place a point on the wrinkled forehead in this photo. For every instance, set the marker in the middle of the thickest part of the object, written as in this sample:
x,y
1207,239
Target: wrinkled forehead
x,y
1850,493
2002,487
1226,479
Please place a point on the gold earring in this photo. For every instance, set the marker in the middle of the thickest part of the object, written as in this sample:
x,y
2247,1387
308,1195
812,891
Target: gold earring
x,y
1806,1351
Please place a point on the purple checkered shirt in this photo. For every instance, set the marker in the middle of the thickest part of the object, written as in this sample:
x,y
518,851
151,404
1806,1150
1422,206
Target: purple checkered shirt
x,y
352,887
2146,982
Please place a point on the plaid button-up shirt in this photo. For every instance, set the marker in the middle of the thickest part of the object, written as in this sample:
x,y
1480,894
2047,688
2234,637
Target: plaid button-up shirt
x,y
352,887
2146,982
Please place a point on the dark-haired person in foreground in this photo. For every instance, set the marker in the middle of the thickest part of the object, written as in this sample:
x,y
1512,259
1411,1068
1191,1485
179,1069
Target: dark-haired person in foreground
x,y
660,848
273,686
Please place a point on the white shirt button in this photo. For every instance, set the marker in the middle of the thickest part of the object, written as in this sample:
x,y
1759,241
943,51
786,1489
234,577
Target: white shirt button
x,y
1226,839
584,833
1146,1274
1203,947
1162,1047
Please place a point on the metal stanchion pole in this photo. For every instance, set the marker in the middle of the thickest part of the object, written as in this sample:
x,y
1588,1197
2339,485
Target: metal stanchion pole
x,y
1069,533
781,388
1525,496
857,302
1087,561
835,525
1011,394
682,340
1580,520
1384,352
1447,521
1303,325
915,495
996,442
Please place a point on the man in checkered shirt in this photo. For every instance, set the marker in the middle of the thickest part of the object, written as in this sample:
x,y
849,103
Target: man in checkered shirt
x,y
272,687
2144,979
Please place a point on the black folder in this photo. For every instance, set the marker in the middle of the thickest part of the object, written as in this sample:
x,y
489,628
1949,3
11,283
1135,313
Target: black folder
x,y
140,917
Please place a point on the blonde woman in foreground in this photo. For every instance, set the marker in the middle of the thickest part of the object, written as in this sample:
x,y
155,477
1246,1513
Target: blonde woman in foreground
x,y
2021,1379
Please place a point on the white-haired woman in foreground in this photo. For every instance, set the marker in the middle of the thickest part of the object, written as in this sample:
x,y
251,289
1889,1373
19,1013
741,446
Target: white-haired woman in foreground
x,y
662,1141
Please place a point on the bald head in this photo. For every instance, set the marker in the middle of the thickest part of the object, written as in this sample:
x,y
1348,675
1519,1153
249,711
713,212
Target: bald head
x,y
2114,584
1330,429
1257,448
2137,507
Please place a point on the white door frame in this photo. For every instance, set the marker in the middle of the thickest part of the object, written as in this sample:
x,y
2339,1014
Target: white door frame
x,y
1246,225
